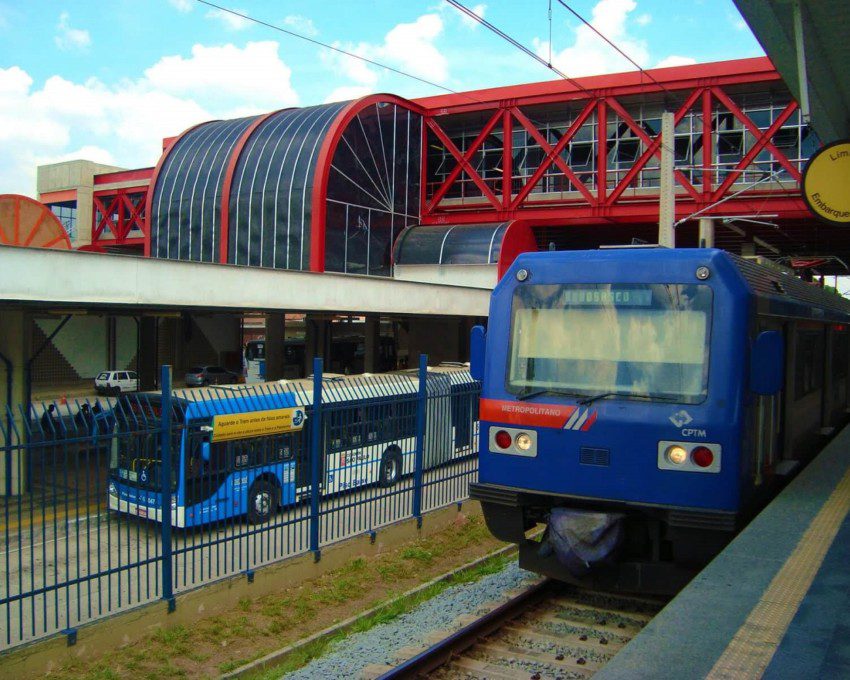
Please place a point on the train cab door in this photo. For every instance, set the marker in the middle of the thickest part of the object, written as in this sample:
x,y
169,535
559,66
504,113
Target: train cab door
x,y
768,425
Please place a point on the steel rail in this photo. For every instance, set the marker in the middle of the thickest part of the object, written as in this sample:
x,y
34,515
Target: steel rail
x,y
441,653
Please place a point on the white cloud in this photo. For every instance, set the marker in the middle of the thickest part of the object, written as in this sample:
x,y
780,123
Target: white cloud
x,y
468,21
348,92
124,123
737,21
407,47
230,21
302,25
589,54
254,73
69,38
675,60
411,46
183,6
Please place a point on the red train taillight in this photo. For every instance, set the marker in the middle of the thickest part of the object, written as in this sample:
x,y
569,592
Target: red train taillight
x,y
503,440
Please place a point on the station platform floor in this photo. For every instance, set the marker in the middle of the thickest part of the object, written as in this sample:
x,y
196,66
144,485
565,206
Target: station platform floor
x,y
774,604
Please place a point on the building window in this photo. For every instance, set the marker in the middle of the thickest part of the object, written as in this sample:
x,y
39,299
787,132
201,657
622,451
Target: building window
x,y
66,213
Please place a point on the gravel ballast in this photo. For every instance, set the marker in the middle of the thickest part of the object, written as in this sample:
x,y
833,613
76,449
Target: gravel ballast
x,y
380,644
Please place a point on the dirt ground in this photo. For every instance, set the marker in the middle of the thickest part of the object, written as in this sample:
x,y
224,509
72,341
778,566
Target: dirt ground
x,y
259,626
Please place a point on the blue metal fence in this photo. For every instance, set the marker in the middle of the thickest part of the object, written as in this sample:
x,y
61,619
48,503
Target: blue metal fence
x,y
121,501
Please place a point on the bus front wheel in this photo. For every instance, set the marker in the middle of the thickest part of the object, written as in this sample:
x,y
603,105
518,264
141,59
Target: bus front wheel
x,y
262,501
390,467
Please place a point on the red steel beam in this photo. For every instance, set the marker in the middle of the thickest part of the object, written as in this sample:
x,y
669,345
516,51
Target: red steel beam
x,y
761,142
463,160
753,128
651,149
645,138
553,154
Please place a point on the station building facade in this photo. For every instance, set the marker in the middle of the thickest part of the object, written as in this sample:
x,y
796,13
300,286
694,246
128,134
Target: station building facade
x,y
482,175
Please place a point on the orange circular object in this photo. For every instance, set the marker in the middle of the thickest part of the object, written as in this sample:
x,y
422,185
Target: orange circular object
x,y
25,222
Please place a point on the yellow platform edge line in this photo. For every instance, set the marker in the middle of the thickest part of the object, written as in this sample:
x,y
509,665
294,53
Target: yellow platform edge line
x,y
750,651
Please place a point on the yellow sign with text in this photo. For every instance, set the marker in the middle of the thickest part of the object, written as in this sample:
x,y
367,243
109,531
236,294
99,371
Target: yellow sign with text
x,y
826,183
257,423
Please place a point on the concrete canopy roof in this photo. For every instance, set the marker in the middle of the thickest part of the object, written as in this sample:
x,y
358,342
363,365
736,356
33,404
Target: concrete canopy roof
x,y
825,24
61,279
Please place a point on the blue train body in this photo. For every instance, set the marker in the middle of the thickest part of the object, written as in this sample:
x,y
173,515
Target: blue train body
x,y
623,405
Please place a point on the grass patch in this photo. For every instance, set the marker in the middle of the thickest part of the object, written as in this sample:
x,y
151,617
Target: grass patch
x,y
257,626
301,657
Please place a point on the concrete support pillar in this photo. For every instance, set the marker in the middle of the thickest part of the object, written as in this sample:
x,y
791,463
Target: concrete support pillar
x,y
372,344
706,232
111,344
316,342
148,354
436,337
275,334
667,202
85,215
15,348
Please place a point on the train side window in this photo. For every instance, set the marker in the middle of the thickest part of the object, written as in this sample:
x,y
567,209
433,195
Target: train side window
x,y
808,376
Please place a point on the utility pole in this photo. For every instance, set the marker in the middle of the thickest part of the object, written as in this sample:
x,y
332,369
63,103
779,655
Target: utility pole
x,y
667,203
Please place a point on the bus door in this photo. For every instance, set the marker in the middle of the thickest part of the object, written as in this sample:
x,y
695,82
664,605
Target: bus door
x,y
439,434
206,472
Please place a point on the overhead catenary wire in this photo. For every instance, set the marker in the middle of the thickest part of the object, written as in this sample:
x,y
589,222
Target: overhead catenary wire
x,y
334,48
613,45
481,20
522,48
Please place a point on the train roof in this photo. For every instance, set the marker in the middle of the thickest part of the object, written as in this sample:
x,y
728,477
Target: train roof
x,y
777,291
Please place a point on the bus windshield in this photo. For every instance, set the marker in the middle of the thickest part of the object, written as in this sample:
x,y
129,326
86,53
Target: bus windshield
x,y
646,341
136,457
255,349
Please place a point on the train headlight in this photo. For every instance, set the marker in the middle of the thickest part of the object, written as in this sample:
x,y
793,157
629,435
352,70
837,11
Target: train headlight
x,y
523,441
676,455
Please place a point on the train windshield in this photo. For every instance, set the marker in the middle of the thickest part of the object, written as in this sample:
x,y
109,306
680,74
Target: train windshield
x,y
642,341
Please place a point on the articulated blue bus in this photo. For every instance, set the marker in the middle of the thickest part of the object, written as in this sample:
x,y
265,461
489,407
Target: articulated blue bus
x,y
239,452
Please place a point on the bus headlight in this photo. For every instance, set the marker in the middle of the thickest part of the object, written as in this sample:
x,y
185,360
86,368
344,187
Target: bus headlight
x,y
676,455
523,442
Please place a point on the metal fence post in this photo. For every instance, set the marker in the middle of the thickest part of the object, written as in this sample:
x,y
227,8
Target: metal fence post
x,y
421,406
316,450
165,485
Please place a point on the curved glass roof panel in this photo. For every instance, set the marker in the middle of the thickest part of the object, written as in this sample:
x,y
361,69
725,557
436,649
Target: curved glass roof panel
x,y
373,188
186,202
271,195
451,244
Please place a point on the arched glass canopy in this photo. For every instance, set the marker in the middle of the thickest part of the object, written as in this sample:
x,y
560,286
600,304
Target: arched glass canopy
x,y
451,244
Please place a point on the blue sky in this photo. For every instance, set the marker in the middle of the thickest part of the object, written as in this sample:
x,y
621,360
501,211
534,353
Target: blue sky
x,y
108,80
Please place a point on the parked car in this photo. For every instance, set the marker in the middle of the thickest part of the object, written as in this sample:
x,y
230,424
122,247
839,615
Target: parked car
x,y
211,375
116,382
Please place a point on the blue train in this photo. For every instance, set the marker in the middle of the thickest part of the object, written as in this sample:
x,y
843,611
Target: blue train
x,y
643,403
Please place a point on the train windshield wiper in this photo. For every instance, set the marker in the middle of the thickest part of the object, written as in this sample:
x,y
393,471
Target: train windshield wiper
x,y
528,394
648,397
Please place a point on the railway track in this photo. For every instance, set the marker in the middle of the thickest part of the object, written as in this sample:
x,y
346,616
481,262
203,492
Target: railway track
x,y
549,630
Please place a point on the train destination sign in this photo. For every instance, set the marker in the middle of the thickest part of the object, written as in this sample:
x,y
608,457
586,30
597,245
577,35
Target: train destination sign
x,y
257,423
826,183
